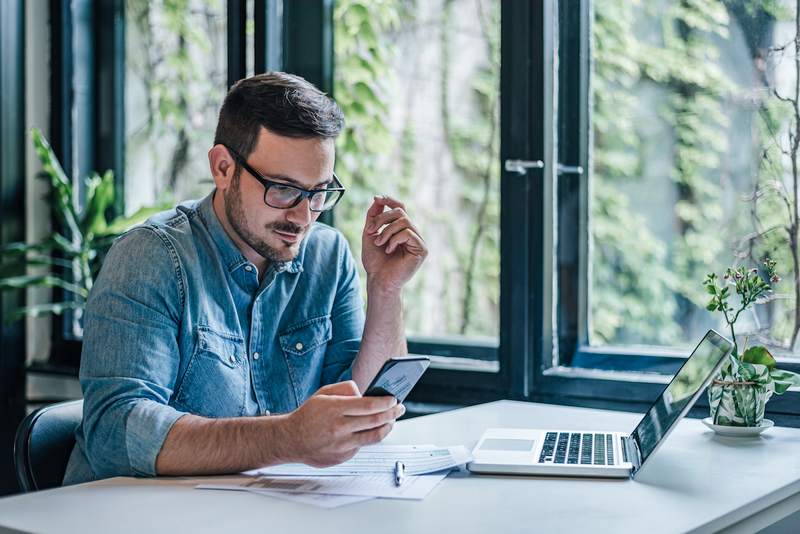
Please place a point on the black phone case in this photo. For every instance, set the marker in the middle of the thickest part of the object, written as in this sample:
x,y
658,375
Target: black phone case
x,y
397,377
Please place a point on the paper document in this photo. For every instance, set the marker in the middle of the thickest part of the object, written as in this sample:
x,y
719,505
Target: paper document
x,y
418,460
374,485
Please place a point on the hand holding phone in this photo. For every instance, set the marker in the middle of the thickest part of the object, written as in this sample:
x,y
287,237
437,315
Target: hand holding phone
x,y
398,376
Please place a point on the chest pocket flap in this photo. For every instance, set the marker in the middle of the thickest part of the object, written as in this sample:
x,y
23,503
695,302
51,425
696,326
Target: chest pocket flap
x,y
229,348
306,336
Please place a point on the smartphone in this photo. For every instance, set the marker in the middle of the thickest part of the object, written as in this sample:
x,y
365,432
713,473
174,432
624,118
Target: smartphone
x,y
398,376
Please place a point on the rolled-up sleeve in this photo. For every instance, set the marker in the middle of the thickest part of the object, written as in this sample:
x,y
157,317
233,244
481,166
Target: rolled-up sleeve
x,y
130,356
347,320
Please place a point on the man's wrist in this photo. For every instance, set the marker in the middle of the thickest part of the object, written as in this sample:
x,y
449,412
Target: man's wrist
x,y
279,434
377,288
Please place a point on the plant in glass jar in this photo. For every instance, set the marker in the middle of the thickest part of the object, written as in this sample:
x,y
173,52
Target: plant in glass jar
x,y
739,393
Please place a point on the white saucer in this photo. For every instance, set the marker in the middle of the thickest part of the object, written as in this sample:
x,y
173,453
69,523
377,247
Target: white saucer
x,y
738,431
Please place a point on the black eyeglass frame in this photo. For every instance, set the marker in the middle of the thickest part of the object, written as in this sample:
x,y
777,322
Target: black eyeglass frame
x,y
304,193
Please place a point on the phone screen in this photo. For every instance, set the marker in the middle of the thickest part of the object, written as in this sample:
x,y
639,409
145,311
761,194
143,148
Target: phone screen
x,y
397,377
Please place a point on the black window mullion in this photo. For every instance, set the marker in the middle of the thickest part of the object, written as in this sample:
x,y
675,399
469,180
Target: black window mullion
x,y
268,22
572,191
64,24
109,151
237,40
12,226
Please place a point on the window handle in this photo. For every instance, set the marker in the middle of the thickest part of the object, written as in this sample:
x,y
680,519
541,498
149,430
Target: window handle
x,y
569,169
521,166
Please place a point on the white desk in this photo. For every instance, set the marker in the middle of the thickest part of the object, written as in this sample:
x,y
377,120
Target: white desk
x,y
696,482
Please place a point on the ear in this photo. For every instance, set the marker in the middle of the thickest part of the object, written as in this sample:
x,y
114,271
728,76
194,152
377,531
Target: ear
x,y
222,166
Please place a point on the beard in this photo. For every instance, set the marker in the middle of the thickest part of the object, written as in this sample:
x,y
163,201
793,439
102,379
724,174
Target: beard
x,y
234,210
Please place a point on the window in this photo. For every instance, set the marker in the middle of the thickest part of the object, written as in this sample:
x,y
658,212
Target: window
x,y
175,81
419,86
674,143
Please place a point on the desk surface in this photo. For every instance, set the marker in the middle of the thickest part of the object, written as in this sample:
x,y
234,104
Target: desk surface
x,y
696,482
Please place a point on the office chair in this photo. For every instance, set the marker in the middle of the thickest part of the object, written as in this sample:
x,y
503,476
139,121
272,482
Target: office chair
x,y
44,443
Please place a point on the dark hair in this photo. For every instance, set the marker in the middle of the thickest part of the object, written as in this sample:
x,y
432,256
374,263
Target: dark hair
x,y
284,104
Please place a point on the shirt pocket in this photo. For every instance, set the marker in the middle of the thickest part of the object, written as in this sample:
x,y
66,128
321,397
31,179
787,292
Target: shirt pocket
x,y
215,381
303,345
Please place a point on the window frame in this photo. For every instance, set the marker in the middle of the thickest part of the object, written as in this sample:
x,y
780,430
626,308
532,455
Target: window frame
x,y
13,140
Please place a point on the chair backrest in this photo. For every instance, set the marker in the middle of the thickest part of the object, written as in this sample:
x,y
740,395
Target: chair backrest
x,y
44,443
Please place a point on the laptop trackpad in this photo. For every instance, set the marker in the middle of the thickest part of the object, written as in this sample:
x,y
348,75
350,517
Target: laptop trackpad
x,y
502,444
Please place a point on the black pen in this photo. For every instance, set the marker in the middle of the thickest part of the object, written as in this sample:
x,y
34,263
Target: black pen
x,y
399,473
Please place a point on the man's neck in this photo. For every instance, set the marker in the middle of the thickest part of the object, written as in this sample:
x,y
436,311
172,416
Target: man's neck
x,y
252,256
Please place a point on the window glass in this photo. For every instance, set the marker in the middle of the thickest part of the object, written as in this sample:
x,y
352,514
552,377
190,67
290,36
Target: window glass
x,y
419,86
175,80
694,135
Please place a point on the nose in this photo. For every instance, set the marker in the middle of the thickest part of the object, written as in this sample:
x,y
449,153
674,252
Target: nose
x,y
301,214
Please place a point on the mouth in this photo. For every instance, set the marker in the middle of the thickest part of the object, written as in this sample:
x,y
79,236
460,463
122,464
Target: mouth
x,y
288,237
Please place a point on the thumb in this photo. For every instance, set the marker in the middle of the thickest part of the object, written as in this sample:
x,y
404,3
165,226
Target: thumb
x,y
348,388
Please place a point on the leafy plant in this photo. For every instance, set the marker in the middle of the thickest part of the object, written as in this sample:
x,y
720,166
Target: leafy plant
x,y
754,367
74,252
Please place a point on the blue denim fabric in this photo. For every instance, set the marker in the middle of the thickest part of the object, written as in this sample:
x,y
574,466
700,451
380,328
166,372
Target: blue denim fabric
x,y
175,320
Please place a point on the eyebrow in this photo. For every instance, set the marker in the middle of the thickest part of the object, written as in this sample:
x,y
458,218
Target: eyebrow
x,y
292,181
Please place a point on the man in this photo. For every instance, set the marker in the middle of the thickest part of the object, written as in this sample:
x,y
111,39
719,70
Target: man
x,y
229,333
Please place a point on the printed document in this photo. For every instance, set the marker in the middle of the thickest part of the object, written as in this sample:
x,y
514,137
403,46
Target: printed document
x,y
373,485
377,459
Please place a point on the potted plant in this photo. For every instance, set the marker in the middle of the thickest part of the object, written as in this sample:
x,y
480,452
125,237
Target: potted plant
x,y
73,253
739,394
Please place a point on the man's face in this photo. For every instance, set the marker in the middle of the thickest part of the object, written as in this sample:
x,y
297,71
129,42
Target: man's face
x,y
275,234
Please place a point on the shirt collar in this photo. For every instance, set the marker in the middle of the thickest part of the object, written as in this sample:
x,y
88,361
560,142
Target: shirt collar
x,y
232,257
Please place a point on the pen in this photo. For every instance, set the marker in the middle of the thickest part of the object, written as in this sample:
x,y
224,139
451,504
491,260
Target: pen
x,y
399,473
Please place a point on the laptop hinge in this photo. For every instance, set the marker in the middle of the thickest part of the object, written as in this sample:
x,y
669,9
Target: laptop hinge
x,y
633,453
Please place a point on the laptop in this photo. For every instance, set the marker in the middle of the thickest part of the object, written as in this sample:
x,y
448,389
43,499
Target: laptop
x,y
589,453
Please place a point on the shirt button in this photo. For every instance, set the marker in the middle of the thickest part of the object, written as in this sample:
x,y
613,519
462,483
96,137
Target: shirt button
x,y
256,355
248,268
299,346
265,412
233,359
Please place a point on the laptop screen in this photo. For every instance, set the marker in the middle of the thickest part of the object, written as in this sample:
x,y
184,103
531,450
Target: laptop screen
x,y
681,393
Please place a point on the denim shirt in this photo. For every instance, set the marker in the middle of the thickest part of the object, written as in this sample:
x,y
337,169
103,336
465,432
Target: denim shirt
x,y
177,322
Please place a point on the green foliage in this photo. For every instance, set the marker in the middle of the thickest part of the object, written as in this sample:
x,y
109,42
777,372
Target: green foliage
x,y
180,84
366,34
74,252
632,284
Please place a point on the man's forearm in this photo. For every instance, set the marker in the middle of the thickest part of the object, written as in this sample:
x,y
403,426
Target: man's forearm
x,y
384,333
201,446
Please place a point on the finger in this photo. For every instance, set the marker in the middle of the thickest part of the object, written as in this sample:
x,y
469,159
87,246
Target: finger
x,y
374,209
387,217
366,405
386,200
412,243
368,437
392,229
366,422
347,388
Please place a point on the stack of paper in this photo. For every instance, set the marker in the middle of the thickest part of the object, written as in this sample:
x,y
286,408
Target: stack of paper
x,y
369,474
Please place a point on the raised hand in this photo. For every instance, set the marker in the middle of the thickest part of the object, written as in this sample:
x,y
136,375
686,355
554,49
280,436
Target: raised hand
x,y
392,248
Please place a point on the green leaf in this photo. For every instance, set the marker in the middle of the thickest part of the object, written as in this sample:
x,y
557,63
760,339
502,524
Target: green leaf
x,y
62,185
99,197
21,282
759,355
784,380
56,308
122,224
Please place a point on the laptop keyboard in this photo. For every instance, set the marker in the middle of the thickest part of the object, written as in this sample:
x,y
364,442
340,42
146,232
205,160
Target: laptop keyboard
x,y
577,448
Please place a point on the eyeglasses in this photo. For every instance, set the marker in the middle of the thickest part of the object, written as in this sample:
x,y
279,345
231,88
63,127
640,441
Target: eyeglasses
x,y
284,196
